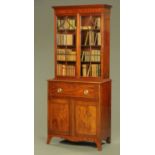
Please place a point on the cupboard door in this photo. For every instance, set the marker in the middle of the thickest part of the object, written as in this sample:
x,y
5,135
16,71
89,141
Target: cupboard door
x,y
58,116
85,118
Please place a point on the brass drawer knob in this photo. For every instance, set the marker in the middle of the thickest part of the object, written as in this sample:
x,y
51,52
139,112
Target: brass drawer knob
x,y
59,90
85,92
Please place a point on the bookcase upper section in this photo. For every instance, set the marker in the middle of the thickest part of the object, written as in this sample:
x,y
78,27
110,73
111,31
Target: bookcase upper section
x,y
82,41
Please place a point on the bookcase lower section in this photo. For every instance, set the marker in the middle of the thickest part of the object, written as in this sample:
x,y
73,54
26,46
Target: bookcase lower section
x,y
79,111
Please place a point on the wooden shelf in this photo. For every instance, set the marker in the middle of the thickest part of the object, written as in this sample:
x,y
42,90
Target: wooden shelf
x,y
62,61
66,46
97,30
66,31
92,62
92,46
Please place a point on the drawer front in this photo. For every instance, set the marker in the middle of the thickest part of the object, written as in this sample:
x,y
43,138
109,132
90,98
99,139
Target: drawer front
x,y
73,89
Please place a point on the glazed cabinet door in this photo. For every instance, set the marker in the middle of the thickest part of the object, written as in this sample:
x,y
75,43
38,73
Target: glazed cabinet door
x,y
91,45
66,50
85,118
58,116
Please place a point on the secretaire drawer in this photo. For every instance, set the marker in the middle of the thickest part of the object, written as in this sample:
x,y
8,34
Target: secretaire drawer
x,y
74,89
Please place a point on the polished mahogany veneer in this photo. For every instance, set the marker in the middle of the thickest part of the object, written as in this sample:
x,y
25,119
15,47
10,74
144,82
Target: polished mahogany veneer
x,y
79,97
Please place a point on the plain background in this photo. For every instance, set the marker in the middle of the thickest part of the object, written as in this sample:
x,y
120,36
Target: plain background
x,y
44,66
17,79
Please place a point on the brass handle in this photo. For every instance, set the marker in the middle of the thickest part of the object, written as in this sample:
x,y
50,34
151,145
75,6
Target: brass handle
x,y
59,90
85,92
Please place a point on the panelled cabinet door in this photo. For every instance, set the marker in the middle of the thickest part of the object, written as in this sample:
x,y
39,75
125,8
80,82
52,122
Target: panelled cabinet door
x,y
58,116
85,118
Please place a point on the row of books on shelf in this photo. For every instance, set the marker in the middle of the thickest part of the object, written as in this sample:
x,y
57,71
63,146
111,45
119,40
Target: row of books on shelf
x,y
92,70
92,38
96,24
65,70
93,56
65,39
66,55
66,23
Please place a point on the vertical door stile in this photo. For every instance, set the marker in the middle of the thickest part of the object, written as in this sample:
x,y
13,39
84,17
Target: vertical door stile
x,y
102,44
78,42
72,119
55,43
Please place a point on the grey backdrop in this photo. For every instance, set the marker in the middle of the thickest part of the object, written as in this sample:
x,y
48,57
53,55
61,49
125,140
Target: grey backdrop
x,y
44,69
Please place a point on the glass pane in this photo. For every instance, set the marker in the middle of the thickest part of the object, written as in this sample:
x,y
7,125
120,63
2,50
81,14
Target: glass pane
x,y
66,45
90,46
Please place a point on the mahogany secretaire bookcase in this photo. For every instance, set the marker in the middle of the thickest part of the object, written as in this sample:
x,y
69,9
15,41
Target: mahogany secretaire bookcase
x,y
79,97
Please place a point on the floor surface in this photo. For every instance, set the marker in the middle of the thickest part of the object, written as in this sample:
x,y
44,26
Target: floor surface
x,y
62,147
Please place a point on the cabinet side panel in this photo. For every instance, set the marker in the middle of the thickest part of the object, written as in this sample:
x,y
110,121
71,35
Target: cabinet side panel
x,y
106,110
106,44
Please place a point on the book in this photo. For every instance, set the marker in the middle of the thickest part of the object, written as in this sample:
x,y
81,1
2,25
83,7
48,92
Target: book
x,y
69,40
66,55
70,55
95,39
91,38
98,23
95,23
86,39
83,55
86,27
65,39
90,56
88,71
99,39
65,70
66,24
84,70
94,68
71,23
